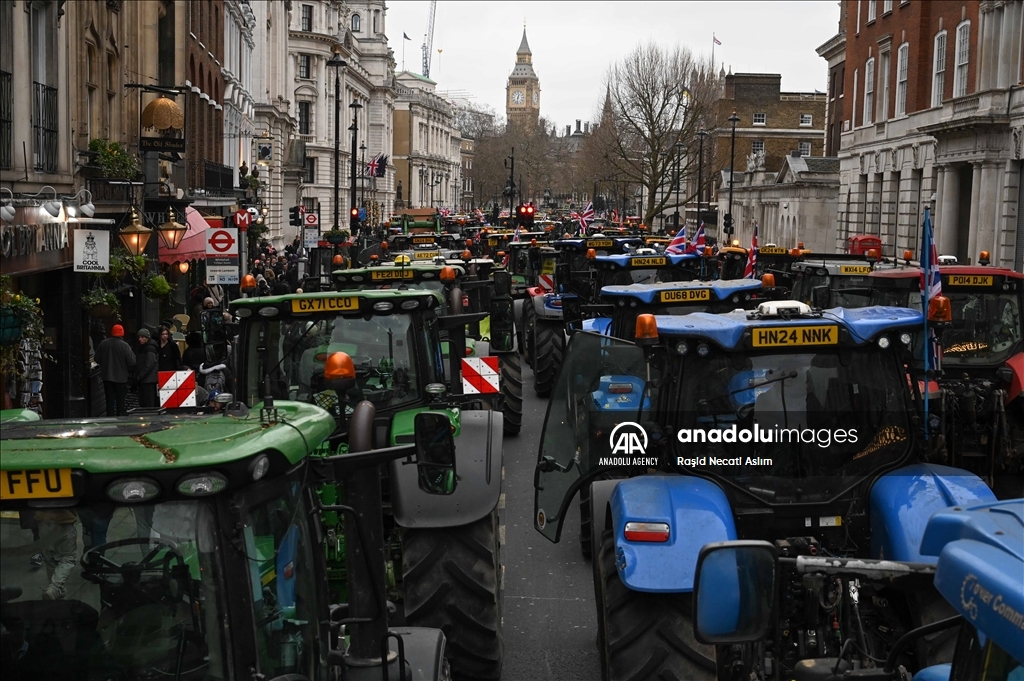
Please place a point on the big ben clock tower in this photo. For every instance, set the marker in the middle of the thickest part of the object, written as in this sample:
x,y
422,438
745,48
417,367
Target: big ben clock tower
x,y
522,94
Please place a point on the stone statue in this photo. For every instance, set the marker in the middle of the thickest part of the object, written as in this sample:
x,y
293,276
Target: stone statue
x,y
398,191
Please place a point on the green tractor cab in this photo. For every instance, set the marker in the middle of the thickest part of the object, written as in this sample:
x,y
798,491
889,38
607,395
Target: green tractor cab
x,y
190,546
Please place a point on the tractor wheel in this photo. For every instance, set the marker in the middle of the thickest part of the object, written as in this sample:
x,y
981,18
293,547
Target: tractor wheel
x,y
586,523
647,635
452,582
511,392
526,347
548,353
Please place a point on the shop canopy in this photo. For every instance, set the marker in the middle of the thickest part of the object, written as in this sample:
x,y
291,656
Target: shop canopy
x,y
193,245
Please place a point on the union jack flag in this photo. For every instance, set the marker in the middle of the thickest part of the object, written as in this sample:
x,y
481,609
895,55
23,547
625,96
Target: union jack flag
x,y
371,168
748,271
678,244
515,235
931,282
585,217
698,242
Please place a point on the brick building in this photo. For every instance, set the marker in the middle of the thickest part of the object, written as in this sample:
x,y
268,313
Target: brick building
x,y
204,47
931,110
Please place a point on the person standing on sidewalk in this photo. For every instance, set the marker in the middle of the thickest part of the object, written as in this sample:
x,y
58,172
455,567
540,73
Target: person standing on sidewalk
x,y
116,361
59,534
147,360
170,357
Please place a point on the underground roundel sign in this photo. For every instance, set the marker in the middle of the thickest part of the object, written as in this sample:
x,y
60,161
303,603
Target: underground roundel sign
x,y
480,375
177,389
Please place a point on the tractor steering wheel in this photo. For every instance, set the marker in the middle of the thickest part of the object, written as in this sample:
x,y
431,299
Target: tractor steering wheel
x,y
98,566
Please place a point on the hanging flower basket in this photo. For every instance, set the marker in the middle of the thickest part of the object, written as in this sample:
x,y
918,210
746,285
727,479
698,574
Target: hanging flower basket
x,y
10,327
100,311
336,237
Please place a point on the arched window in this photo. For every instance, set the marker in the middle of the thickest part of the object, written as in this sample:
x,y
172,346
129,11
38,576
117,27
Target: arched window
x,y
356,23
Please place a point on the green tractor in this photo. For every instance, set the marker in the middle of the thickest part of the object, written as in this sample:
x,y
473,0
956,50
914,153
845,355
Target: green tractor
x,y
443,551
189,545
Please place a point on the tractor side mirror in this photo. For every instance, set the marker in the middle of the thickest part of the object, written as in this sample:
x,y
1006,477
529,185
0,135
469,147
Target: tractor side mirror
x,y
502,324
502,284
435,453
734,592
821,297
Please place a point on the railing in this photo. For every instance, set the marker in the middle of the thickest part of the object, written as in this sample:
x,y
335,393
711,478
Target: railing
x,y
219,179
115,190
44,124
966,104
6,119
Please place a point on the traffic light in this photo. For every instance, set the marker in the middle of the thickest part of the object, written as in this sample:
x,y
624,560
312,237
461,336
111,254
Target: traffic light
x,y
727,223
353,220
525,214
295,216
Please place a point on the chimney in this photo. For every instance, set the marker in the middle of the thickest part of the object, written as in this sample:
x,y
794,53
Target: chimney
x,y
795,153
586,127
568,130
578,121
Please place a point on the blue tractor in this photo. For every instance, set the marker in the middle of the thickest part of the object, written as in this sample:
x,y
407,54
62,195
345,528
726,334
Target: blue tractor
x,y
782,424
750,597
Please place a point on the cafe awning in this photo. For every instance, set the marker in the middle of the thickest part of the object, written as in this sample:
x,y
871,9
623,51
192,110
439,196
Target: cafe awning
x,y
193,245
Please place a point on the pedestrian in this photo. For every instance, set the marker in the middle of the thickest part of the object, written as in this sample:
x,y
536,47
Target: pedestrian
x,y
59,534
169,356
116,361
147,361
195,353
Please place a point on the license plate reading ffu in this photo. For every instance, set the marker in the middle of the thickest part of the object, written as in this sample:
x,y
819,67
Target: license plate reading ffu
x,y
48,483
792,336
349,304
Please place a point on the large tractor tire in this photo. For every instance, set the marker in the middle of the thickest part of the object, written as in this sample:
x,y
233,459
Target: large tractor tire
x,y
548,352
647,636
511,392
586,523
452,582
528,340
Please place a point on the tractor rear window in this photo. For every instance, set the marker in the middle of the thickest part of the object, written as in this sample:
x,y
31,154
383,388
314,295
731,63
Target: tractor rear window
x,y
986,328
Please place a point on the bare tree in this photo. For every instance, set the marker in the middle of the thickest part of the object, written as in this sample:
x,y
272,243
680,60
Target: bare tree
x,y
658,97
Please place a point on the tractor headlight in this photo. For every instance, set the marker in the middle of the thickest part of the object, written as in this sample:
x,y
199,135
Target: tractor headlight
x,y
133,491
259,467
682,348
703,350
202,484
883,342
905,338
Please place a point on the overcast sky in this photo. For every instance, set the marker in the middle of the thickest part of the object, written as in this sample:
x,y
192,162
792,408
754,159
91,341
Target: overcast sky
x,y
573,43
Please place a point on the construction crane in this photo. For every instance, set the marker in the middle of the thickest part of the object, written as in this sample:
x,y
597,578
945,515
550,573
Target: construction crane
x,y
428,39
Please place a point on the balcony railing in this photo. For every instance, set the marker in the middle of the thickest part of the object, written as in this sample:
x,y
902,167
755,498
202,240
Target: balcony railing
x,y
115,191
6,119
44,124
219,179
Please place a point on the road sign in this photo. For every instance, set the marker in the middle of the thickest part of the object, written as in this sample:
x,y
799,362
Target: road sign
x,y
243,219
222,255
311,220
310,237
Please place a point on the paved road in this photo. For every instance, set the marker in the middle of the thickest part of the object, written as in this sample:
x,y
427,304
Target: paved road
x,y
550,620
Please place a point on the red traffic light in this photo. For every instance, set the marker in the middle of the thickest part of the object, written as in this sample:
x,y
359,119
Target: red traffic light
x,y
354,212
529,209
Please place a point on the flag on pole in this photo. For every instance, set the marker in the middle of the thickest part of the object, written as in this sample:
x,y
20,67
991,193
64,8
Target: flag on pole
x,y
699,242
678,244
717,41
406,35
931,287
748,271
382,165
371,166
584,218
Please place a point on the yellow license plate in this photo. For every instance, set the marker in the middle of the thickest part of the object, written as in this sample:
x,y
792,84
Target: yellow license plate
x,y
427,255
423,239
772,250
646,262
385,275
685,296
36,484
600,243
970,280
791,336
855,269
349,304
493,241
548,267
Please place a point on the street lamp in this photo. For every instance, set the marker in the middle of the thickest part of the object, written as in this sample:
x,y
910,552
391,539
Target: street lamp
x,y
362,186
171,232
135,236
702,133
679,156
355,106
337,63
423,176
734,119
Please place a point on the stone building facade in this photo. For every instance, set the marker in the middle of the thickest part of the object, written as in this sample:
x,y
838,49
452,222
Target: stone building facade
x,y
933,114
239,102
428,146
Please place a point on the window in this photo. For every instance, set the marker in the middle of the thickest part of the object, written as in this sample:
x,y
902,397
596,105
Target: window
x,y
805,148
886,6
307,18
902,57
757,146
376,21
309,164
356,23
963,53
883,75
760,119
858,16
872,10
869,91
304,65
305,124
853,104
310,204
806,119
939,69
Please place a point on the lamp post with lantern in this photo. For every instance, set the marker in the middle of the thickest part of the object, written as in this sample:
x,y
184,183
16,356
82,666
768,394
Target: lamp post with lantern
x,y
337,63
734,119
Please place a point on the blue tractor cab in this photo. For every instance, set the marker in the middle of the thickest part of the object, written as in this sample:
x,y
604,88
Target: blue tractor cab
x,y
781,424
979,574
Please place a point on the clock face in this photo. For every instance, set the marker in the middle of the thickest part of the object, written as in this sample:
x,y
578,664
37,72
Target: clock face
x,y
536,98
518,97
